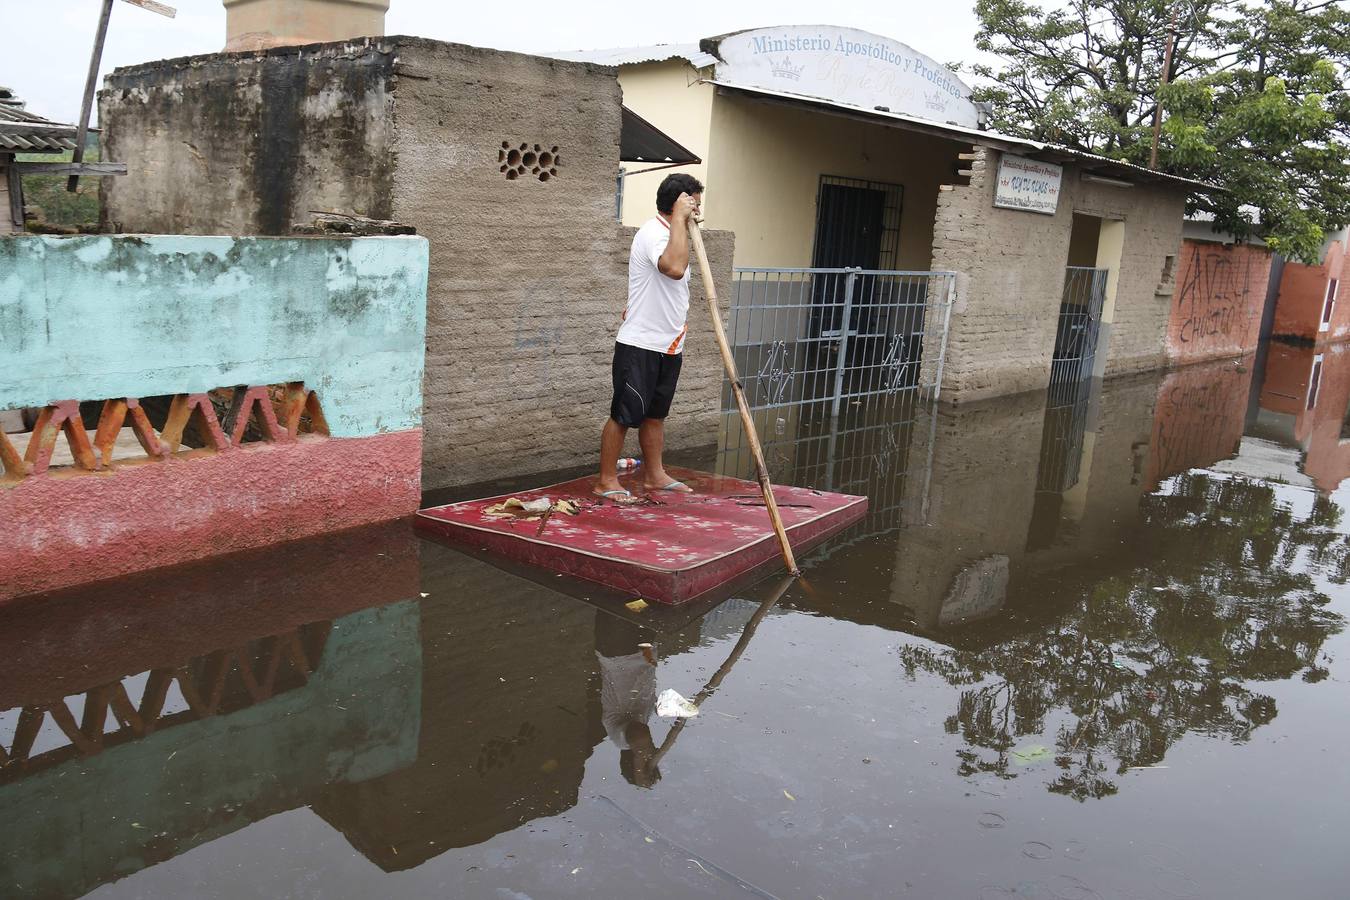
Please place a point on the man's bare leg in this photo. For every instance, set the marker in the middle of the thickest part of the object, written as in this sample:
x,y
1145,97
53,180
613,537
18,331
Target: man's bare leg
x,y
611,445
652,438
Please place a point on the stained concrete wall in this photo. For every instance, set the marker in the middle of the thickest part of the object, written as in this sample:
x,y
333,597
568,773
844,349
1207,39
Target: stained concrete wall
x,y
7,223
1012,262
84,320
249,143
1218,302
528,278
93,317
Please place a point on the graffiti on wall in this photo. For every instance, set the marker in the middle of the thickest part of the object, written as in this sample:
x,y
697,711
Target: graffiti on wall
x,y
1218,300
1199,418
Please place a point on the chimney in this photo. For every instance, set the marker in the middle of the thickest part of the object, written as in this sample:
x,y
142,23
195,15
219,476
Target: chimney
x,y
258,24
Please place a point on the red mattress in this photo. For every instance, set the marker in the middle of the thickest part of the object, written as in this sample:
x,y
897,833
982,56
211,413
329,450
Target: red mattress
x,y
671,551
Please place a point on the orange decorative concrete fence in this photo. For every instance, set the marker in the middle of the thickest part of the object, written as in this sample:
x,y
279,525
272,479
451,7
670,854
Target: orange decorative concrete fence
x,y
1309,307
1218,301
200,395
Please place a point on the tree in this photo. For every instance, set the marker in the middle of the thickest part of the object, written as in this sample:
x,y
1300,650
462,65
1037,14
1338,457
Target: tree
x,y
1220,597
1256,99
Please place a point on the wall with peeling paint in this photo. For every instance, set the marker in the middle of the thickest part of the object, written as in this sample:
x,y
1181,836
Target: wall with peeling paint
x,y
117,338
93,317
528,277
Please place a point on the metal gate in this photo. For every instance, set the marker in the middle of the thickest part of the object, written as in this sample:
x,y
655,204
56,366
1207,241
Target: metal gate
x,y
806,336
1080,316
838,366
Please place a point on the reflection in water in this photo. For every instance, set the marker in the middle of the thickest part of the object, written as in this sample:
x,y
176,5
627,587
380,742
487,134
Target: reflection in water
x,y
1074,583
866,450
1113,670
146,718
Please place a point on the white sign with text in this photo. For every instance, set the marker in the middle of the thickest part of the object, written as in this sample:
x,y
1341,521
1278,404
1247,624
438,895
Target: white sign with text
x,y
845,65
1028,184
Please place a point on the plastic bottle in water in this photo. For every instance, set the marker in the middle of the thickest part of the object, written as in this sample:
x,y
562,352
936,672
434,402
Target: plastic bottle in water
x,y
629,462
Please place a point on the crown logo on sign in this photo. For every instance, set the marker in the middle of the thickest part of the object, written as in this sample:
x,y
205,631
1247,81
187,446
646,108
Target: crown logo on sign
x,y
934,100
784,68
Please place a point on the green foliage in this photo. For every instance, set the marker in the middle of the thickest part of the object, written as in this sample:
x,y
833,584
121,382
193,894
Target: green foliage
x,y
1257,100
46,197
1227,599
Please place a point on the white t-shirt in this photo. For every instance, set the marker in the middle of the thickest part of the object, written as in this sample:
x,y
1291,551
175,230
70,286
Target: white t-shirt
x,y
657,305
627,693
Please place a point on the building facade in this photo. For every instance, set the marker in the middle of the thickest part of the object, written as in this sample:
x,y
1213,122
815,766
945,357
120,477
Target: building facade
x,y
829,147
528,275
1309,307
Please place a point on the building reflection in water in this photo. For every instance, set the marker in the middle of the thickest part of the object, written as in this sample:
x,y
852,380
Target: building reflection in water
x,y
1303,406
1084,578
156,713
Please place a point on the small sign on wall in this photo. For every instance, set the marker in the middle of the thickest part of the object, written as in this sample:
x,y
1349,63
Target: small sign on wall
x,y
1027,184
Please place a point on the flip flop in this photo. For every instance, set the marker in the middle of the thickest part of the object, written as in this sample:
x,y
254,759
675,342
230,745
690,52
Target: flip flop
x,y
622,496
677,487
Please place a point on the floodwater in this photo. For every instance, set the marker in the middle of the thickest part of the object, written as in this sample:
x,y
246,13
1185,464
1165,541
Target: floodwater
x,y
1087,644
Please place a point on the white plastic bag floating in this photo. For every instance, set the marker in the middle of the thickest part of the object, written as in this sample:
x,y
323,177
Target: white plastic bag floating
x,y
671,705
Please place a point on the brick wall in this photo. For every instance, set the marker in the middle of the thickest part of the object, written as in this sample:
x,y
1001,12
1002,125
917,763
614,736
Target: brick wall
x,y
1218,302
1303,292
1012,275
527,277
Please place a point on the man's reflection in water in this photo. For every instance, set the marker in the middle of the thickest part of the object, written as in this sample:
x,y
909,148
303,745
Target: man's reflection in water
x,y
627,695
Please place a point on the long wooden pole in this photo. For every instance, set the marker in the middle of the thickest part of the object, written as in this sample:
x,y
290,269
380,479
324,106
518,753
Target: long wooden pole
x,y
747,421
725,669
1162,83
90,83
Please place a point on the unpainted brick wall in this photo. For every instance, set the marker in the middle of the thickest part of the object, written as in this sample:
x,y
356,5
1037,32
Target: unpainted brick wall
x,y
527,278
1011,265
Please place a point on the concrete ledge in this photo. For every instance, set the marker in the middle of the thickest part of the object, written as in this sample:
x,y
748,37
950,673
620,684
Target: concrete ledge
x,y
69,529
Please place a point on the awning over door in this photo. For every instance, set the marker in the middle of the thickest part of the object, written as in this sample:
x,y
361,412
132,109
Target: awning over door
x,y
641,141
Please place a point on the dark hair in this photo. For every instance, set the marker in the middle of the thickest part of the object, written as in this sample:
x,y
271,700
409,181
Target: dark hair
x,y
671,189
628,768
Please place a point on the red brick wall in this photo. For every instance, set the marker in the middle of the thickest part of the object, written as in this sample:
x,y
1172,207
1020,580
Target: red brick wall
x,y
1303,289
1216,308
1316,419
1199,418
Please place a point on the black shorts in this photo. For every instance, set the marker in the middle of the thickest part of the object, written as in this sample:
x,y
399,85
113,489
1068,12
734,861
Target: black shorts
x,y
644,384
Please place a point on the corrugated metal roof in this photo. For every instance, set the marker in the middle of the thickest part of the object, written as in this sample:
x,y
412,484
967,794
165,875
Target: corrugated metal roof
x,y
628,56
22,131
641,141
976,135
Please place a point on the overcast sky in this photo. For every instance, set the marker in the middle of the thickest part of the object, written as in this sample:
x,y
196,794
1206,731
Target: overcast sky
x,y
47,54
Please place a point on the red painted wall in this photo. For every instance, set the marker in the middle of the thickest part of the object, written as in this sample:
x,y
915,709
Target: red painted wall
x,y
1217,304
1303,289
63,529
1318,408
1199,417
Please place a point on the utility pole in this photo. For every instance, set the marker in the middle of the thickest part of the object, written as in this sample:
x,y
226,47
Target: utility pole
x,y
1162,83
91,81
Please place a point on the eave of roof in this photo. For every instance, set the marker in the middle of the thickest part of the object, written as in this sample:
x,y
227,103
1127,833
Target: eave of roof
x,y
1038,149
22,131
641,141
630,56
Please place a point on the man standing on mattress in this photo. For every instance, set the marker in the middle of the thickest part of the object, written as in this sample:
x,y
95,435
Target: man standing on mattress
x,y
650,343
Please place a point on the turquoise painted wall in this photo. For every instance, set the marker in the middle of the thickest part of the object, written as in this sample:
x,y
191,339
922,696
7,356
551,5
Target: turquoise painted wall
x,y
86,822
93,317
